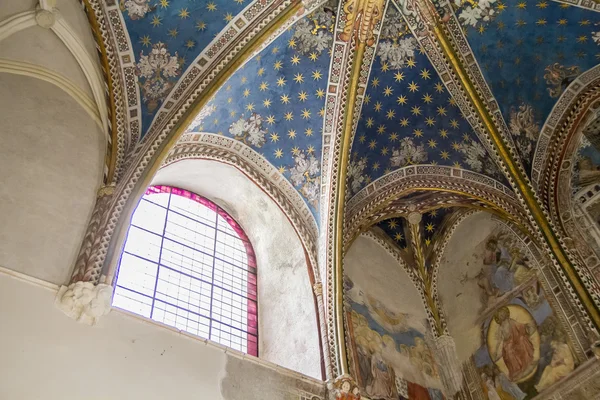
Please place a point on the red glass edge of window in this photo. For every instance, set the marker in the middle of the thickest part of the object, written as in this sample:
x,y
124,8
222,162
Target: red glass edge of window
x,y
252,303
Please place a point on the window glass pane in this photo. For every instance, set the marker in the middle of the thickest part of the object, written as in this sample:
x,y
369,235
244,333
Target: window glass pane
x,y
142,243
189,265
190,233
137,274
150,217
131,301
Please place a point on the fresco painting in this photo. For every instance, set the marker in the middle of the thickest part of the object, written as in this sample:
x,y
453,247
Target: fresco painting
x,y
522,348
393,358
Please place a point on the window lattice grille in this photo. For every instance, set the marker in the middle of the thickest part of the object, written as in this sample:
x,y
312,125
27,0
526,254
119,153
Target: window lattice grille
x,y
188,264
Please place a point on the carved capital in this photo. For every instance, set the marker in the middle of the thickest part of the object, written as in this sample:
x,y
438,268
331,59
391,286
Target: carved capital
x,y
345,388
106,190
84,301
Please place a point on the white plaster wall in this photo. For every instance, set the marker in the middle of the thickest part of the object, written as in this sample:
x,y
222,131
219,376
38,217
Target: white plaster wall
x,y
47,356
288,332
43,47
377,273
51,158
461,301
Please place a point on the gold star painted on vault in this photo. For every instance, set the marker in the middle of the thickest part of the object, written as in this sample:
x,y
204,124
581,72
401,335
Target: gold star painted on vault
x,y
562,22
320,93
277,65
173,32
267,103
372,144
425,74
378,106
263,86
432,143
308,132
313,56
404,122
184,13
164,3
430,121
145,40
302,96
305,114
288,116
454,124
385,67
413,87
295,60
292,135
411,63
441,111
317,75
399,76
281,81
444,155
274,137
246,92
295,149
271,119
381,129
282,168
200,25
299,78
541,22
401,100
375,82
393,224
250,107
211,6
439,87
398,237
429,227
370,122
156,21
391,114
285,99
292,43
387,91
278,153
418,132
393,136
427,98
228,17
521,5
443,133
415,110
542,4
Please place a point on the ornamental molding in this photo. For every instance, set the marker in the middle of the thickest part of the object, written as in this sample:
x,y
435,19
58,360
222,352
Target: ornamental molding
x,y
340,83
587,4
229,151
560,125
463,183
84,301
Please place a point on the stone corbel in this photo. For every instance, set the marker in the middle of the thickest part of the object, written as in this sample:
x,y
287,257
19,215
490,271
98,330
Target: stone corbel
x,y
84,301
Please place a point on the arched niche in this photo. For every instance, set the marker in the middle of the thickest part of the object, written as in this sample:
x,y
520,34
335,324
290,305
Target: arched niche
x,y
51,158
288,328
509,330
389,336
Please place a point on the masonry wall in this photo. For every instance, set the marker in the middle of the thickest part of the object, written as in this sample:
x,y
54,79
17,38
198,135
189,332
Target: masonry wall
x,y
46,355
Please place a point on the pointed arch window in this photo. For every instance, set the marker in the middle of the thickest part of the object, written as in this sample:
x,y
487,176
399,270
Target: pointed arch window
x,y
188,264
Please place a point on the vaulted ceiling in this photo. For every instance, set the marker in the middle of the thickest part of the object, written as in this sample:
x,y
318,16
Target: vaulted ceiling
x,y
527,51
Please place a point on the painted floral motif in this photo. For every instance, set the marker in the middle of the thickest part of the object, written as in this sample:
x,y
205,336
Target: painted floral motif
x,y
524,129
196,124
356,175
155,70
249,130
394,48
477,158
314,34
475,11
408,153
558,77
136,9
305,176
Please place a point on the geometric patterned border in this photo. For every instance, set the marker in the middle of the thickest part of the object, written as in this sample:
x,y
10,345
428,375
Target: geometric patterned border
x,y
427,177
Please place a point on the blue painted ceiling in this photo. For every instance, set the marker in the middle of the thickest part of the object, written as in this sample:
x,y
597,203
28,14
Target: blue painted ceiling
x,y
529,51
171,34
408,117
275,103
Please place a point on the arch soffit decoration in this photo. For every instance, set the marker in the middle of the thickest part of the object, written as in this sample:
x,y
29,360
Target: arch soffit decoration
x,y
115,204
554,158
468,188
229,151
